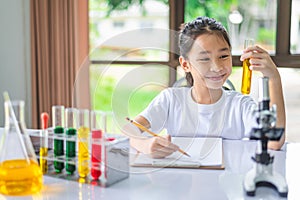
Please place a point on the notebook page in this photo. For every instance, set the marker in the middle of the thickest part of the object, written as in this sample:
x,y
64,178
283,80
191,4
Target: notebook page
x,y
203,152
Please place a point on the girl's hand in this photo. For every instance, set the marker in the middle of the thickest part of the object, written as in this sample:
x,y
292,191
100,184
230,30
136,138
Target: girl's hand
x,y
260,60
159,147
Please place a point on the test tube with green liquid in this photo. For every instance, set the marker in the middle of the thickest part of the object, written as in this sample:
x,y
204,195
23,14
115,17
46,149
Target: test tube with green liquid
x,y
83,142
58,127
71,129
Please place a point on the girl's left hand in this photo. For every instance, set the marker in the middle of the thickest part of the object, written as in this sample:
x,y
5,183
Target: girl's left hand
x,y
260,60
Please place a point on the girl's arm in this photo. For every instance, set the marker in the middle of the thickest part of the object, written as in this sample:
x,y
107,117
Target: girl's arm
x,y
261,61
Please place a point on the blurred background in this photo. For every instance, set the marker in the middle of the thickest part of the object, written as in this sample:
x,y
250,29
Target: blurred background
x,y
132,50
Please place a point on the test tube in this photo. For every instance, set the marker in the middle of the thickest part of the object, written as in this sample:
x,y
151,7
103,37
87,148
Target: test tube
x,y
71,129
98,123
44,143
83,145
58,126
247,73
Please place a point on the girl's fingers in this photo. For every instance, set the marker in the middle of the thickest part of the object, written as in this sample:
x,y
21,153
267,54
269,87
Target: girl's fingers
x,y
158,154
255,48
162,147
164,150
254,52
159,151
166,143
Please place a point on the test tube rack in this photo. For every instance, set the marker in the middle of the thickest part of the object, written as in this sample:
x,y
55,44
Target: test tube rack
x,y
114,162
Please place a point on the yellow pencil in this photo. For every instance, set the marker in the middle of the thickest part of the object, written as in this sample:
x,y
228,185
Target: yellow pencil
x,y
143,128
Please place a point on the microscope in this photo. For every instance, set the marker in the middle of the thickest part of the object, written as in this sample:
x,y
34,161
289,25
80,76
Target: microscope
x,y
262,173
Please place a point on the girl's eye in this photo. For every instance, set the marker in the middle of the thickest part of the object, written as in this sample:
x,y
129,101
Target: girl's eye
x,y
203,59
224,56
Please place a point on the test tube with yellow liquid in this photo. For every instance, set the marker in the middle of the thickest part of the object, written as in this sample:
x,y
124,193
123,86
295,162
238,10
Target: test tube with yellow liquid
x,y
83,143
20,173
44,143
247,73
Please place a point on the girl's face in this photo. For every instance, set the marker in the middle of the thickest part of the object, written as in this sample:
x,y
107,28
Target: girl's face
x,y
209,61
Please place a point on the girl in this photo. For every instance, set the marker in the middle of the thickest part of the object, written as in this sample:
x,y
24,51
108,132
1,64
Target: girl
x,y
205,109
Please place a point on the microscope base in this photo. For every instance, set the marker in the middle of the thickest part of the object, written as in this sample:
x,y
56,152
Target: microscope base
x,y
263,175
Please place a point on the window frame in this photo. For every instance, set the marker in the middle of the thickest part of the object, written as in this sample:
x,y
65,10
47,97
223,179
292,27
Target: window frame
x,y
282,57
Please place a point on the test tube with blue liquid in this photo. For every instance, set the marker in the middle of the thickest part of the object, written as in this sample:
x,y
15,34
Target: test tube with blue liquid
x,y
58,127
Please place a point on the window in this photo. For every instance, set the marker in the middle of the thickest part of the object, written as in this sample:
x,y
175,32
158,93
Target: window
x,y
130,53
139,33
117,35
243,19
295,27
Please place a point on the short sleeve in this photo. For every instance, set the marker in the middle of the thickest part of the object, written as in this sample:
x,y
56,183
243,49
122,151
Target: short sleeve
x,y
157,111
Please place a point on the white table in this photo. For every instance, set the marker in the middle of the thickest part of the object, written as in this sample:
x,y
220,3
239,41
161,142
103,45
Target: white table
x,y
168,183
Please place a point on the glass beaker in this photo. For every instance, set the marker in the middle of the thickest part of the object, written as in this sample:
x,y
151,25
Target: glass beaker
x,y
20,173
247,73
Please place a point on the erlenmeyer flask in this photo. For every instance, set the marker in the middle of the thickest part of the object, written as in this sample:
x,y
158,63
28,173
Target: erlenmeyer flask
x,y
19,170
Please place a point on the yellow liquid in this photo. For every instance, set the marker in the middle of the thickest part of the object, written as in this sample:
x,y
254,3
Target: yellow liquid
x,y
83,152
43,161
246,79
17,177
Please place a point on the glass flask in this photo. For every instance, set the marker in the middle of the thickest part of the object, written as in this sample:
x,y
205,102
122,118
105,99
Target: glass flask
x,y
20,173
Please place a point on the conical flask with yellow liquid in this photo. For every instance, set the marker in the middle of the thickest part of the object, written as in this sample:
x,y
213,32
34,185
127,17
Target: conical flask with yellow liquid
x,y
20,173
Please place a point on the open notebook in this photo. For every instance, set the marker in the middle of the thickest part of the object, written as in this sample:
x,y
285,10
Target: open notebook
x,y
205,153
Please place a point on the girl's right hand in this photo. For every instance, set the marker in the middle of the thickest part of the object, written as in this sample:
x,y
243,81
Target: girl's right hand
x,y
158,147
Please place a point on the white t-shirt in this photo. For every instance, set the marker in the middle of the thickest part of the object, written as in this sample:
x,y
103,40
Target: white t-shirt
x,y
174,109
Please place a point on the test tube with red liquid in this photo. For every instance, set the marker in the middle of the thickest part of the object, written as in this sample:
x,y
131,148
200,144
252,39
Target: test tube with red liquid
x,y
98,123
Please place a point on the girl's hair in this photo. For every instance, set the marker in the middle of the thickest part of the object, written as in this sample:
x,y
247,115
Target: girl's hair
x,y
191,30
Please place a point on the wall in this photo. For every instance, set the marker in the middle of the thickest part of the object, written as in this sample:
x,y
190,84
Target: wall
x,y
15,53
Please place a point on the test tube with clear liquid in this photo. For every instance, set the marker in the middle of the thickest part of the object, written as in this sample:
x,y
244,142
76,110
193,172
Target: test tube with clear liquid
x,y
247,73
